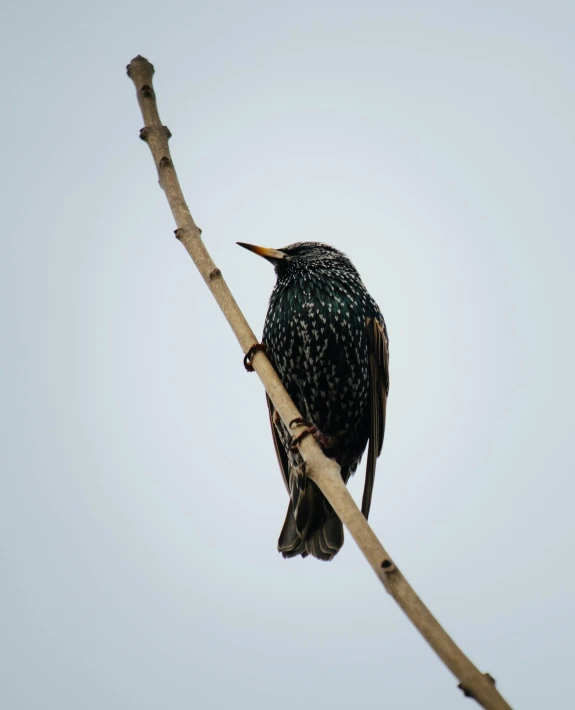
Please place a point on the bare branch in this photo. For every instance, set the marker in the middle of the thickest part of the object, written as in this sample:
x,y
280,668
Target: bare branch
x,y
324,472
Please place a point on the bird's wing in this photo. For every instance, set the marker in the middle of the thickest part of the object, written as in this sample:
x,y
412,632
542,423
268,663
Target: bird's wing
x,y
378,348
279,447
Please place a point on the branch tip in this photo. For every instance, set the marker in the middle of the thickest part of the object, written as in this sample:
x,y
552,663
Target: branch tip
x,y
143,62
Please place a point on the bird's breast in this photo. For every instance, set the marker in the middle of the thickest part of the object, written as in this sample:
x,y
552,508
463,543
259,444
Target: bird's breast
x,y
318,344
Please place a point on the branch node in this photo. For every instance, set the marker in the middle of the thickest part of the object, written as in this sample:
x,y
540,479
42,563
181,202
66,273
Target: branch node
x,y
468,693
144,133
387,566
165,162
166,131
147,91
215,274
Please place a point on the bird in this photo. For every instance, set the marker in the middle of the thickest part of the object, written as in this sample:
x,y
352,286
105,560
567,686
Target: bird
x,y
327,340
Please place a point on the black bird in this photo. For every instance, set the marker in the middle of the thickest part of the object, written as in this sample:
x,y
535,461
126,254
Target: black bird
x,y
327,340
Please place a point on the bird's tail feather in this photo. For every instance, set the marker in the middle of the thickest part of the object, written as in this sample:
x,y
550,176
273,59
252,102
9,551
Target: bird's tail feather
x,y
311,526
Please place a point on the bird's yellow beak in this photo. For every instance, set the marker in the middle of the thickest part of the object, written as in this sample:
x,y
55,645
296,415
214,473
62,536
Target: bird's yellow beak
x,y
269,254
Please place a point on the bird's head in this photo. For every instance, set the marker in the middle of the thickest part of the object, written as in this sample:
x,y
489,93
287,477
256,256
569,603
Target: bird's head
x,y
303,257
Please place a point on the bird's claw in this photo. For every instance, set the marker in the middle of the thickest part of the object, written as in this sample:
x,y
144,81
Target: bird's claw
x,y
324,441
300,420
256,347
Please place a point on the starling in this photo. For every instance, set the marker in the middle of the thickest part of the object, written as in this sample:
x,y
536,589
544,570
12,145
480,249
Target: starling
x,y
327,340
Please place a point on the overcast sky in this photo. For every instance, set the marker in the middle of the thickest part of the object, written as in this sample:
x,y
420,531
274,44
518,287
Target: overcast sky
x,y
140,499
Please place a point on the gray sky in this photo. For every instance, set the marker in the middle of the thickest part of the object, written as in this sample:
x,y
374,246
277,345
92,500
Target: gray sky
x,y
141,500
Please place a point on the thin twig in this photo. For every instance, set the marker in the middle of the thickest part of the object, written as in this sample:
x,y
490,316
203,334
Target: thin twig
x,y
324,472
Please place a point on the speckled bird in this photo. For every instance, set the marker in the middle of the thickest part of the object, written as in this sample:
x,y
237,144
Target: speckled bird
x,y
327,340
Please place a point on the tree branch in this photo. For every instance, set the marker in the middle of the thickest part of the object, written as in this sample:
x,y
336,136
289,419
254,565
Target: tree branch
x,y
324,472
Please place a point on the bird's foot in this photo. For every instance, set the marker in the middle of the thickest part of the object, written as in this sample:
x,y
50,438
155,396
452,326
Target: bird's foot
x,y
256,347
324,441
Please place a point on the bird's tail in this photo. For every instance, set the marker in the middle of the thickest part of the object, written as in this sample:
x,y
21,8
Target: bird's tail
x,y
311,526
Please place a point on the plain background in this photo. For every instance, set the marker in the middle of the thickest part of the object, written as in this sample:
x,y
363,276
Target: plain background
x,y
140,496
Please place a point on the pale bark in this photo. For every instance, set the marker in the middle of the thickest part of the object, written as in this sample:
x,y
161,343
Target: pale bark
x,y
323,471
